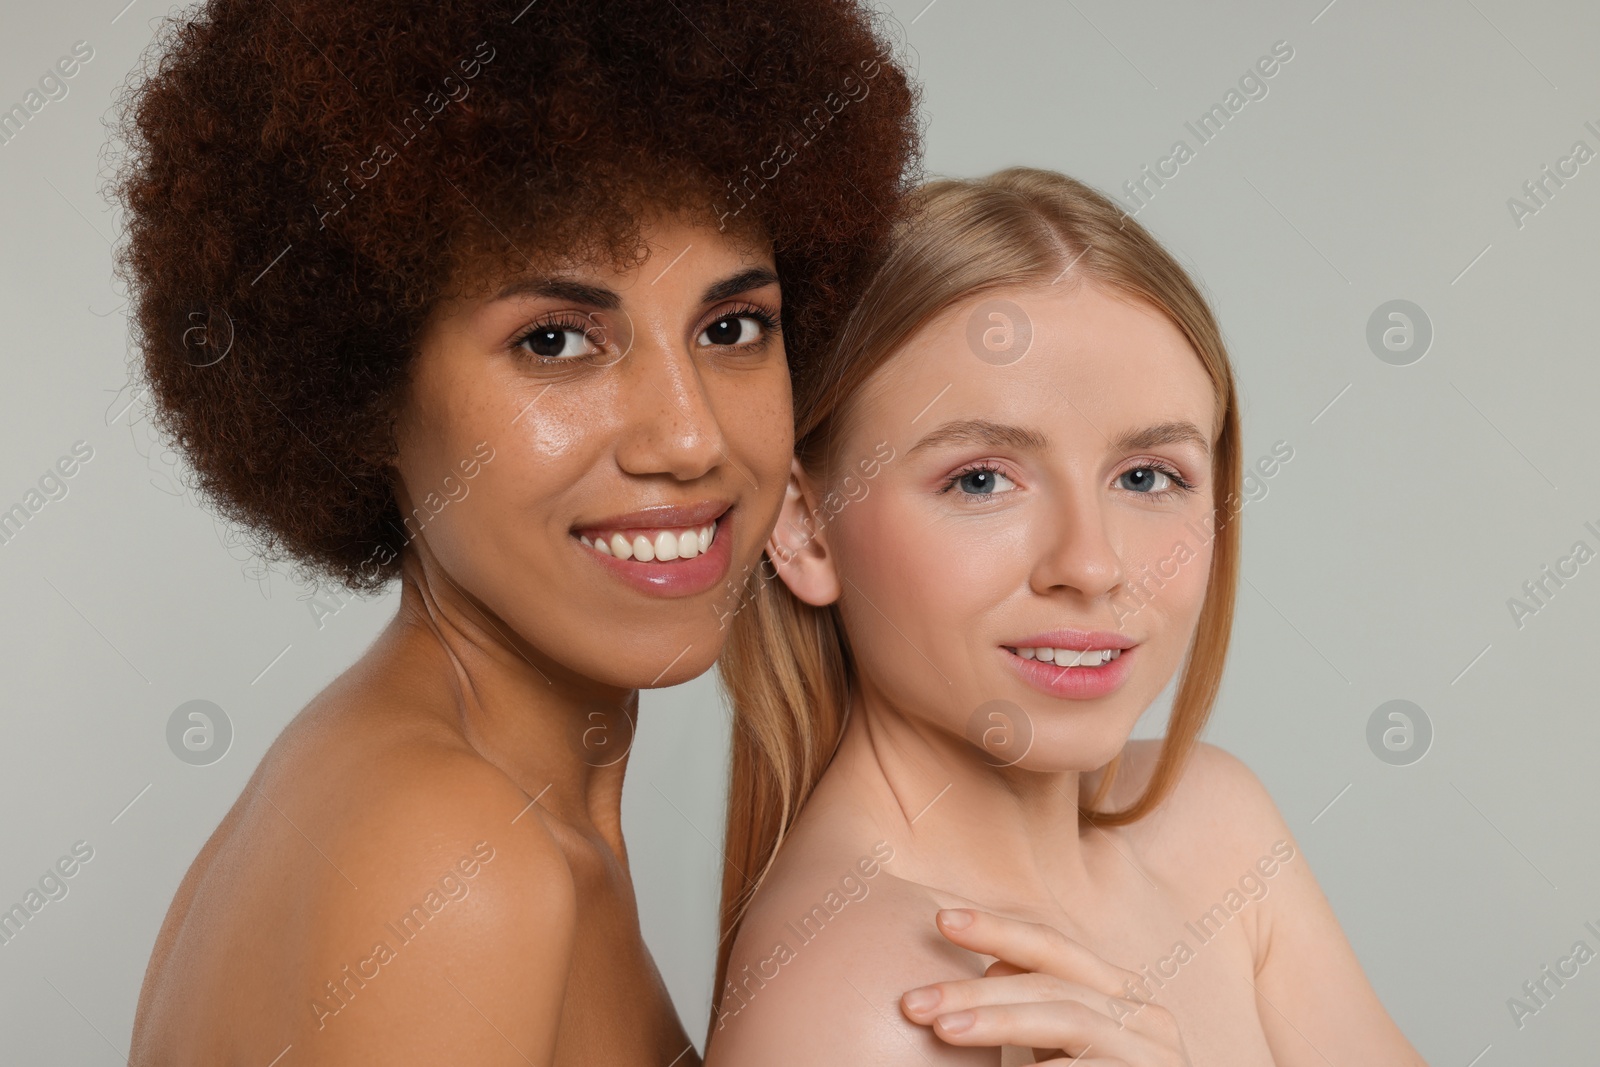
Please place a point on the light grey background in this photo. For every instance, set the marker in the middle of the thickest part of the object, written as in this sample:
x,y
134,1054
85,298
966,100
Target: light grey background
x,y
1378,566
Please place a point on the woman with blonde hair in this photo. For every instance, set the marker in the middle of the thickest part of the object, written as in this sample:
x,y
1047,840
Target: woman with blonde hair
x,y
1010,521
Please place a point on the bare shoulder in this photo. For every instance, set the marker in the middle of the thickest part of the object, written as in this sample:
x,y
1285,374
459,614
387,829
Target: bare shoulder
x,y
840,938
440,896
1217,815
1220,832
388,892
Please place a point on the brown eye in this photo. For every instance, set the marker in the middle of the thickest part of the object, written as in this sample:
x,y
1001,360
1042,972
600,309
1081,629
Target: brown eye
x,y
557,341
733,330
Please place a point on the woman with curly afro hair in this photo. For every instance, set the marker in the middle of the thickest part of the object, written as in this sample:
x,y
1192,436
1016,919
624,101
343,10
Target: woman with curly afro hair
x,y
507,306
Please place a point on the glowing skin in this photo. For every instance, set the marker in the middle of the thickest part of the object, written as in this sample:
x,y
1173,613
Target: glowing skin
x,y
938,572
509,676
496,712
1029,538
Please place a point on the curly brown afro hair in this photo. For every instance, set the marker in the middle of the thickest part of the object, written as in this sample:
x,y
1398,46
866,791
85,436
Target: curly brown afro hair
x,y
305,179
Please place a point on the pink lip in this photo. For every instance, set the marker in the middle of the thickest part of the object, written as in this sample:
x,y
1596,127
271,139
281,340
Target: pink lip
x,y
675,578
661,515
1076,639
1072,683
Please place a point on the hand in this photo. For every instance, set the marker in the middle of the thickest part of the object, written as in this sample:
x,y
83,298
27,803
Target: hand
x,y
1048,992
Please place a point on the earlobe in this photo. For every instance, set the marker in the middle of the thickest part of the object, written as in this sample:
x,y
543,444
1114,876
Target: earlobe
x,y
798,546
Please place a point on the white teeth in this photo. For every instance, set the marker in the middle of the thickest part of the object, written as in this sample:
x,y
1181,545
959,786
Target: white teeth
x,y
1071,657
665,545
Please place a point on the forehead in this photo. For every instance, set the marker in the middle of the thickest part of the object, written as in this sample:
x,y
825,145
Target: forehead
x,y
666,241
1032,355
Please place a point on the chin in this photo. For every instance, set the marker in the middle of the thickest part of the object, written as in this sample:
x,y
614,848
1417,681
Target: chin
x,y
1080,750
671,666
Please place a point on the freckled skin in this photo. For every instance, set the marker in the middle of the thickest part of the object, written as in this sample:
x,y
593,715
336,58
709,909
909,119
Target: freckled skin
x,y
930,585
509,673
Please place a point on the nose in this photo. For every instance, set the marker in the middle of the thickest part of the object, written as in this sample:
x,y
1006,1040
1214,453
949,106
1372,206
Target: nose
x,y
1079,553
669,423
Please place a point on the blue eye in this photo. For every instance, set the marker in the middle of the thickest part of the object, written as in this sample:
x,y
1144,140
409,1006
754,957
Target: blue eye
x,y
1141,479
983,480
1154,481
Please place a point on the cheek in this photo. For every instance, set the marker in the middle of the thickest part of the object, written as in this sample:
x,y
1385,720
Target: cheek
x,y
517,505
755,413
1167,569
909,600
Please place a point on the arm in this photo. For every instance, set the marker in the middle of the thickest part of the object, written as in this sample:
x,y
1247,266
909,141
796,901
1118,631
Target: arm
x,y
835,999
1316,1004
454,943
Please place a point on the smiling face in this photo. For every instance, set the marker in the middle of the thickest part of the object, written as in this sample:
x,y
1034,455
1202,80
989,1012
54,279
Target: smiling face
x,y
569,441
1061,501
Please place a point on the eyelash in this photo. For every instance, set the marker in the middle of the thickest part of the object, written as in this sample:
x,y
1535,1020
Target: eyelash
x,y
972,468
1181,485
588,329
770,324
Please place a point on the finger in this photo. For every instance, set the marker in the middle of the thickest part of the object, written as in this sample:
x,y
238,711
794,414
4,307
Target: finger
x,y
1033,947
1070,1026
924,1004
1001,967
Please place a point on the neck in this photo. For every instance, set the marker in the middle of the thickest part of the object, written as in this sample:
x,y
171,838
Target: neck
x,y
561,737
986,832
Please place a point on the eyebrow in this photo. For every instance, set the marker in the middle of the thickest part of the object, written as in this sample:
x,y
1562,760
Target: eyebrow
x,y
743,282
982,432
1005,435
1174,432
602,297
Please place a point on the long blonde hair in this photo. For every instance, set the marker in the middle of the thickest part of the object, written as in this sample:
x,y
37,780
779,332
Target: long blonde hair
x,y
786,665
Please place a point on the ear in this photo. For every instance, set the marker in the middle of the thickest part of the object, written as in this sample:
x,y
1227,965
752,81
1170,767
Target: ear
x,y
798,546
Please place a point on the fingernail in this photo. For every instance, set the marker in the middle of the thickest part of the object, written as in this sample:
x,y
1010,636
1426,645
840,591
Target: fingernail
x,y
924,999
956,918
957,1021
